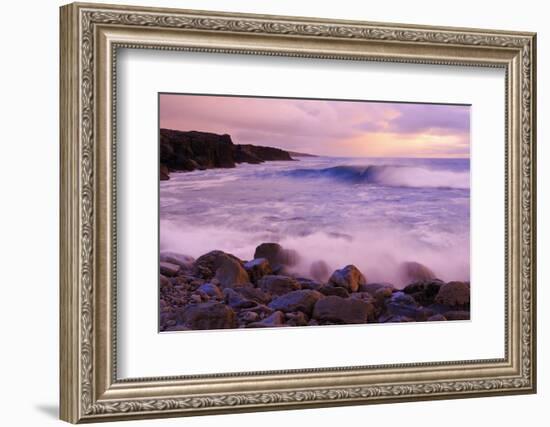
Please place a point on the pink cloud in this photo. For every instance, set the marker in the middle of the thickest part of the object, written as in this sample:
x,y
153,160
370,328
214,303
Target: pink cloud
x,y
323,126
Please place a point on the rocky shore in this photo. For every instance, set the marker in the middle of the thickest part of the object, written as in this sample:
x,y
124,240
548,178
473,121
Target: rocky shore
x,y
188,151
221,291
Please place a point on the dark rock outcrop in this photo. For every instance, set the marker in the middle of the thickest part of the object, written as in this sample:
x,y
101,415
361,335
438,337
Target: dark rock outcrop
x,y
191,150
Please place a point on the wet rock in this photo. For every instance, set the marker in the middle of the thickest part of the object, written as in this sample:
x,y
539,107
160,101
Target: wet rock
x,y
309,284
208,315
184,261
415,272
401,304
348,277
210,290
302,300
424,292
165,282
334,290
257,268
278,285
236,300
296,319
205,266
319,270
340,310
457,315
249,316
169,269
231,274
254,294
454,294
274,320
372,288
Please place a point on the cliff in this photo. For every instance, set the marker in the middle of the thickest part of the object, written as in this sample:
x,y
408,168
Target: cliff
x,y
188,151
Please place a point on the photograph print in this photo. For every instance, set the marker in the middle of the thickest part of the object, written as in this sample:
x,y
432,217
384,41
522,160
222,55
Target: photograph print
x,y
280,212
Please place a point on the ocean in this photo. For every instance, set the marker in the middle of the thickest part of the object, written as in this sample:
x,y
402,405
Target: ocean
x,y
371,212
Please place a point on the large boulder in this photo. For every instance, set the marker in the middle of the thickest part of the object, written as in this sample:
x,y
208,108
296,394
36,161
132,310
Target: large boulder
x,y
231,274
411,271
208,315
348,277
335,309
205,266
277,256
278,285
257,268
302,300
454,294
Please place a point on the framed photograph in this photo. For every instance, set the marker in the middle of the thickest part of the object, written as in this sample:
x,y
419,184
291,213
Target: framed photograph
x,y
266,212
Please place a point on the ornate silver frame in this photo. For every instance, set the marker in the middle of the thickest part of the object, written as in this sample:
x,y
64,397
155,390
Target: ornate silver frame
x,y
90,36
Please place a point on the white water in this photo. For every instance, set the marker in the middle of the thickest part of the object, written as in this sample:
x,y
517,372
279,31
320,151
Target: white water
x,y
371,213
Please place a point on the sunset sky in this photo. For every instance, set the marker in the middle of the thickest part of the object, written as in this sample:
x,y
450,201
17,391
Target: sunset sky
x,y
332,128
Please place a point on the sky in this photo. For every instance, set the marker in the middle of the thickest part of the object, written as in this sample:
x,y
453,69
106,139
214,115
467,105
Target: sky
x,y
326,127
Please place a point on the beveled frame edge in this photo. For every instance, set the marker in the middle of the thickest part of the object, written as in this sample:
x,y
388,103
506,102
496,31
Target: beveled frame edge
x,y
89,390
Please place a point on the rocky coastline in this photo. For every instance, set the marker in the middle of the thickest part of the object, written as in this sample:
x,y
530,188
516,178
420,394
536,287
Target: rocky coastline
x,y
194,150
220,291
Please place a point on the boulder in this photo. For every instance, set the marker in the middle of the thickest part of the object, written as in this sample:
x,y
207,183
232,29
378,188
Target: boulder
x,y
277,257
372,288
339,310
257,268
309,284
319,270
296,319
334,290
184,261
424,292
236,300
210,290
205,266
302,300
231,274
208,315
169,269
164,282
411,271
254,294
275,319
454,294
278,285
348,277
401,304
